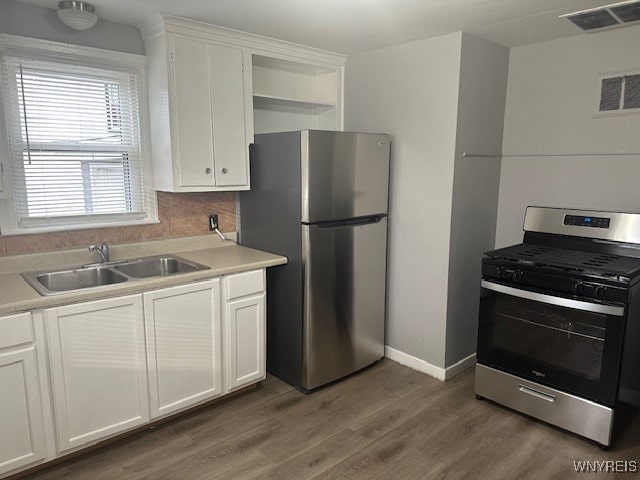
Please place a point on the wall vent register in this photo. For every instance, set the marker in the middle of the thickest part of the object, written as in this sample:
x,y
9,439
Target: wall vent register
x,y
619,93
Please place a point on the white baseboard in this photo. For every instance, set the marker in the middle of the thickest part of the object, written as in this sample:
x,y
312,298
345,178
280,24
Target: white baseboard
x,y
460,366
426,367
414,363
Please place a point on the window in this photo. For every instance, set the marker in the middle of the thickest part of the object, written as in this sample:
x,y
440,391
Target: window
x,y
619,93
75,143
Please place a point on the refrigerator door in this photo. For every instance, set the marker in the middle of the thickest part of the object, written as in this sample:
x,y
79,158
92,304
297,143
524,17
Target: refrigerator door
x,y
344,298
344,175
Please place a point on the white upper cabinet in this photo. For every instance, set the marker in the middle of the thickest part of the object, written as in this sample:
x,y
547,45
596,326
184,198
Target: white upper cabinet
x,y
211,88
199,132
230,139
190,112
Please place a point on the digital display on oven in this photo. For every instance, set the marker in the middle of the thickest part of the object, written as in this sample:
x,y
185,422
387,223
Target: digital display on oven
x,y
581,221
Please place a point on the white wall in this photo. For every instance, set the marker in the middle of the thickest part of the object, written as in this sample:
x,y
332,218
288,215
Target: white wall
x,y
483,85
549,110
411,92
17,18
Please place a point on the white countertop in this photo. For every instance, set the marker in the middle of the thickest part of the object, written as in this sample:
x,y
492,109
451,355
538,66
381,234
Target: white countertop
x,y
16,295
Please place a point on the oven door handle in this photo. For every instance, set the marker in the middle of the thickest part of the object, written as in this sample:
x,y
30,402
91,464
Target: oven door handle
x,y
551,300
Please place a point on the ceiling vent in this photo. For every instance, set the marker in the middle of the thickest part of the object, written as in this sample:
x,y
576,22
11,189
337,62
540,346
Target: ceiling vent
x,y
610,16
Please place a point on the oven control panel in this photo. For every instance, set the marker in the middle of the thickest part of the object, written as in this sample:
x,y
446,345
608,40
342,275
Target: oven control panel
x,y
582,221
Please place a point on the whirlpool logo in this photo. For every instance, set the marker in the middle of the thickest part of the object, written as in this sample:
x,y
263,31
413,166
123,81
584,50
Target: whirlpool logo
x,y
538,374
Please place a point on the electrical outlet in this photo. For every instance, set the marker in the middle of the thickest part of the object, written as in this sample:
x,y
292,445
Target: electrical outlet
x,y
213,222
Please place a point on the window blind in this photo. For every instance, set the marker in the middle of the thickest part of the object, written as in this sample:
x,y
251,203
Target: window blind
x,y
75,142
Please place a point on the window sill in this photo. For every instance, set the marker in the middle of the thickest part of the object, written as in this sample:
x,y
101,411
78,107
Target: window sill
x,y
66,228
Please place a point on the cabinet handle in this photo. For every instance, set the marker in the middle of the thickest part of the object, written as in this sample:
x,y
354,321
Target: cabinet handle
x,y
224,170
207,170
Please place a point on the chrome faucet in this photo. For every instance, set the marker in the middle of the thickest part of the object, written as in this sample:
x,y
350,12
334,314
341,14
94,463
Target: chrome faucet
x,y
103,251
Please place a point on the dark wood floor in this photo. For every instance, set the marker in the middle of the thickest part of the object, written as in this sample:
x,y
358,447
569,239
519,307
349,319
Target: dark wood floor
x,y
388,422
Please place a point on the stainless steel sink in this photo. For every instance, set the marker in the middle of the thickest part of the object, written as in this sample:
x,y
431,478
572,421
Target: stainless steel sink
x,y
95,276
64,281
157,266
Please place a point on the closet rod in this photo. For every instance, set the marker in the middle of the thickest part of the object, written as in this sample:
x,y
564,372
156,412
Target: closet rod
x,y
592,154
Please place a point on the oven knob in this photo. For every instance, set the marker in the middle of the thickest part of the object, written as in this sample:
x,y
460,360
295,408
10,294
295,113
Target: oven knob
x,y
578,288
600,291
501,273
519,275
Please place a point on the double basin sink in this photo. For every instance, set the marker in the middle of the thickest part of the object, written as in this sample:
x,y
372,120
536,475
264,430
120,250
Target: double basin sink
x,y
111,273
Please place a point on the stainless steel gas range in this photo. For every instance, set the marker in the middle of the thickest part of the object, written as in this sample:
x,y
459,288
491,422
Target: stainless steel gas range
x,y
559,326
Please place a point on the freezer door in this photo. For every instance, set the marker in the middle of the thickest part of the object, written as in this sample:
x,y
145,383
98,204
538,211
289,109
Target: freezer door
x,y
344,174
344,299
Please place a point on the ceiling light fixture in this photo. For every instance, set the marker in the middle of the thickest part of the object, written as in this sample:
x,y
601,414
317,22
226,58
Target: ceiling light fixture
x,y
77,15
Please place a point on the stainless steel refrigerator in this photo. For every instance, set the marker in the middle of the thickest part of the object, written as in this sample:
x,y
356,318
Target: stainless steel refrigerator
x,y
320,198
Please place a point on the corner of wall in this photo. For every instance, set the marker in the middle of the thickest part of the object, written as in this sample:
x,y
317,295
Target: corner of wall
x,y
415,85
481,102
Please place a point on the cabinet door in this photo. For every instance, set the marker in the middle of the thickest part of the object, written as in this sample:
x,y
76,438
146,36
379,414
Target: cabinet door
x,y
245,341
98,369
183,342
191,112
229,126
22,436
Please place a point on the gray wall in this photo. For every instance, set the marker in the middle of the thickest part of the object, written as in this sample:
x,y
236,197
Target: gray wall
x,y
411,92
17,18
483,85
551,101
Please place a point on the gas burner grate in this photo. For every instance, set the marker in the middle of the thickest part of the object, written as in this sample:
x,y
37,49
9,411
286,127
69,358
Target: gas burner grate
x,y
535,252
601,260
599,263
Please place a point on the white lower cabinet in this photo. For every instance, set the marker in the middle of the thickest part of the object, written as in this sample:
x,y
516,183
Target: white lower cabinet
x,y
244,327
183,345
117,363
98,369
21,425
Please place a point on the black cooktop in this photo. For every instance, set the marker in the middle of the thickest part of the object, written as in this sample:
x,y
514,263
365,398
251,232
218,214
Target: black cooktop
x,y
582,261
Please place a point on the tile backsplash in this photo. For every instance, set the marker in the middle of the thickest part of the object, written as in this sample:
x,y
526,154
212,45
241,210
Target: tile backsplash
x,y
180,214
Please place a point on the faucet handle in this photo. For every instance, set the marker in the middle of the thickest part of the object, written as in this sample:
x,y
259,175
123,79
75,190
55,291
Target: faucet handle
x,y
103,250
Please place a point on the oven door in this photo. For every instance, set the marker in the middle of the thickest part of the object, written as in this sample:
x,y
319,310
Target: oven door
x,y
567,344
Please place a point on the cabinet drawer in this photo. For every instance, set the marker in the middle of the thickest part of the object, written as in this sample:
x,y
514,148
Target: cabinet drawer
x,y
246,283
15,330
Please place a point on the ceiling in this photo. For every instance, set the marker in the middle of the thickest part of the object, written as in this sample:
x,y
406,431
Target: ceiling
x,y
353,26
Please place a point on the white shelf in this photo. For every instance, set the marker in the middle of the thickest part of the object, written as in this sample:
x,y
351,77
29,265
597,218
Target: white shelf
x,y
268,101
295,95
290,66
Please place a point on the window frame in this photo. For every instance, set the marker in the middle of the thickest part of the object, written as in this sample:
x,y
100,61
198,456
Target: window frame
x,y
12,45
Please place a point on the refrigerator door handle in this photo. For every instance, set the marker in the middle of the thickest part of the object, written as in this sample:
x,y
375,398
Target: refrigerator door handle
x,y
350,222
